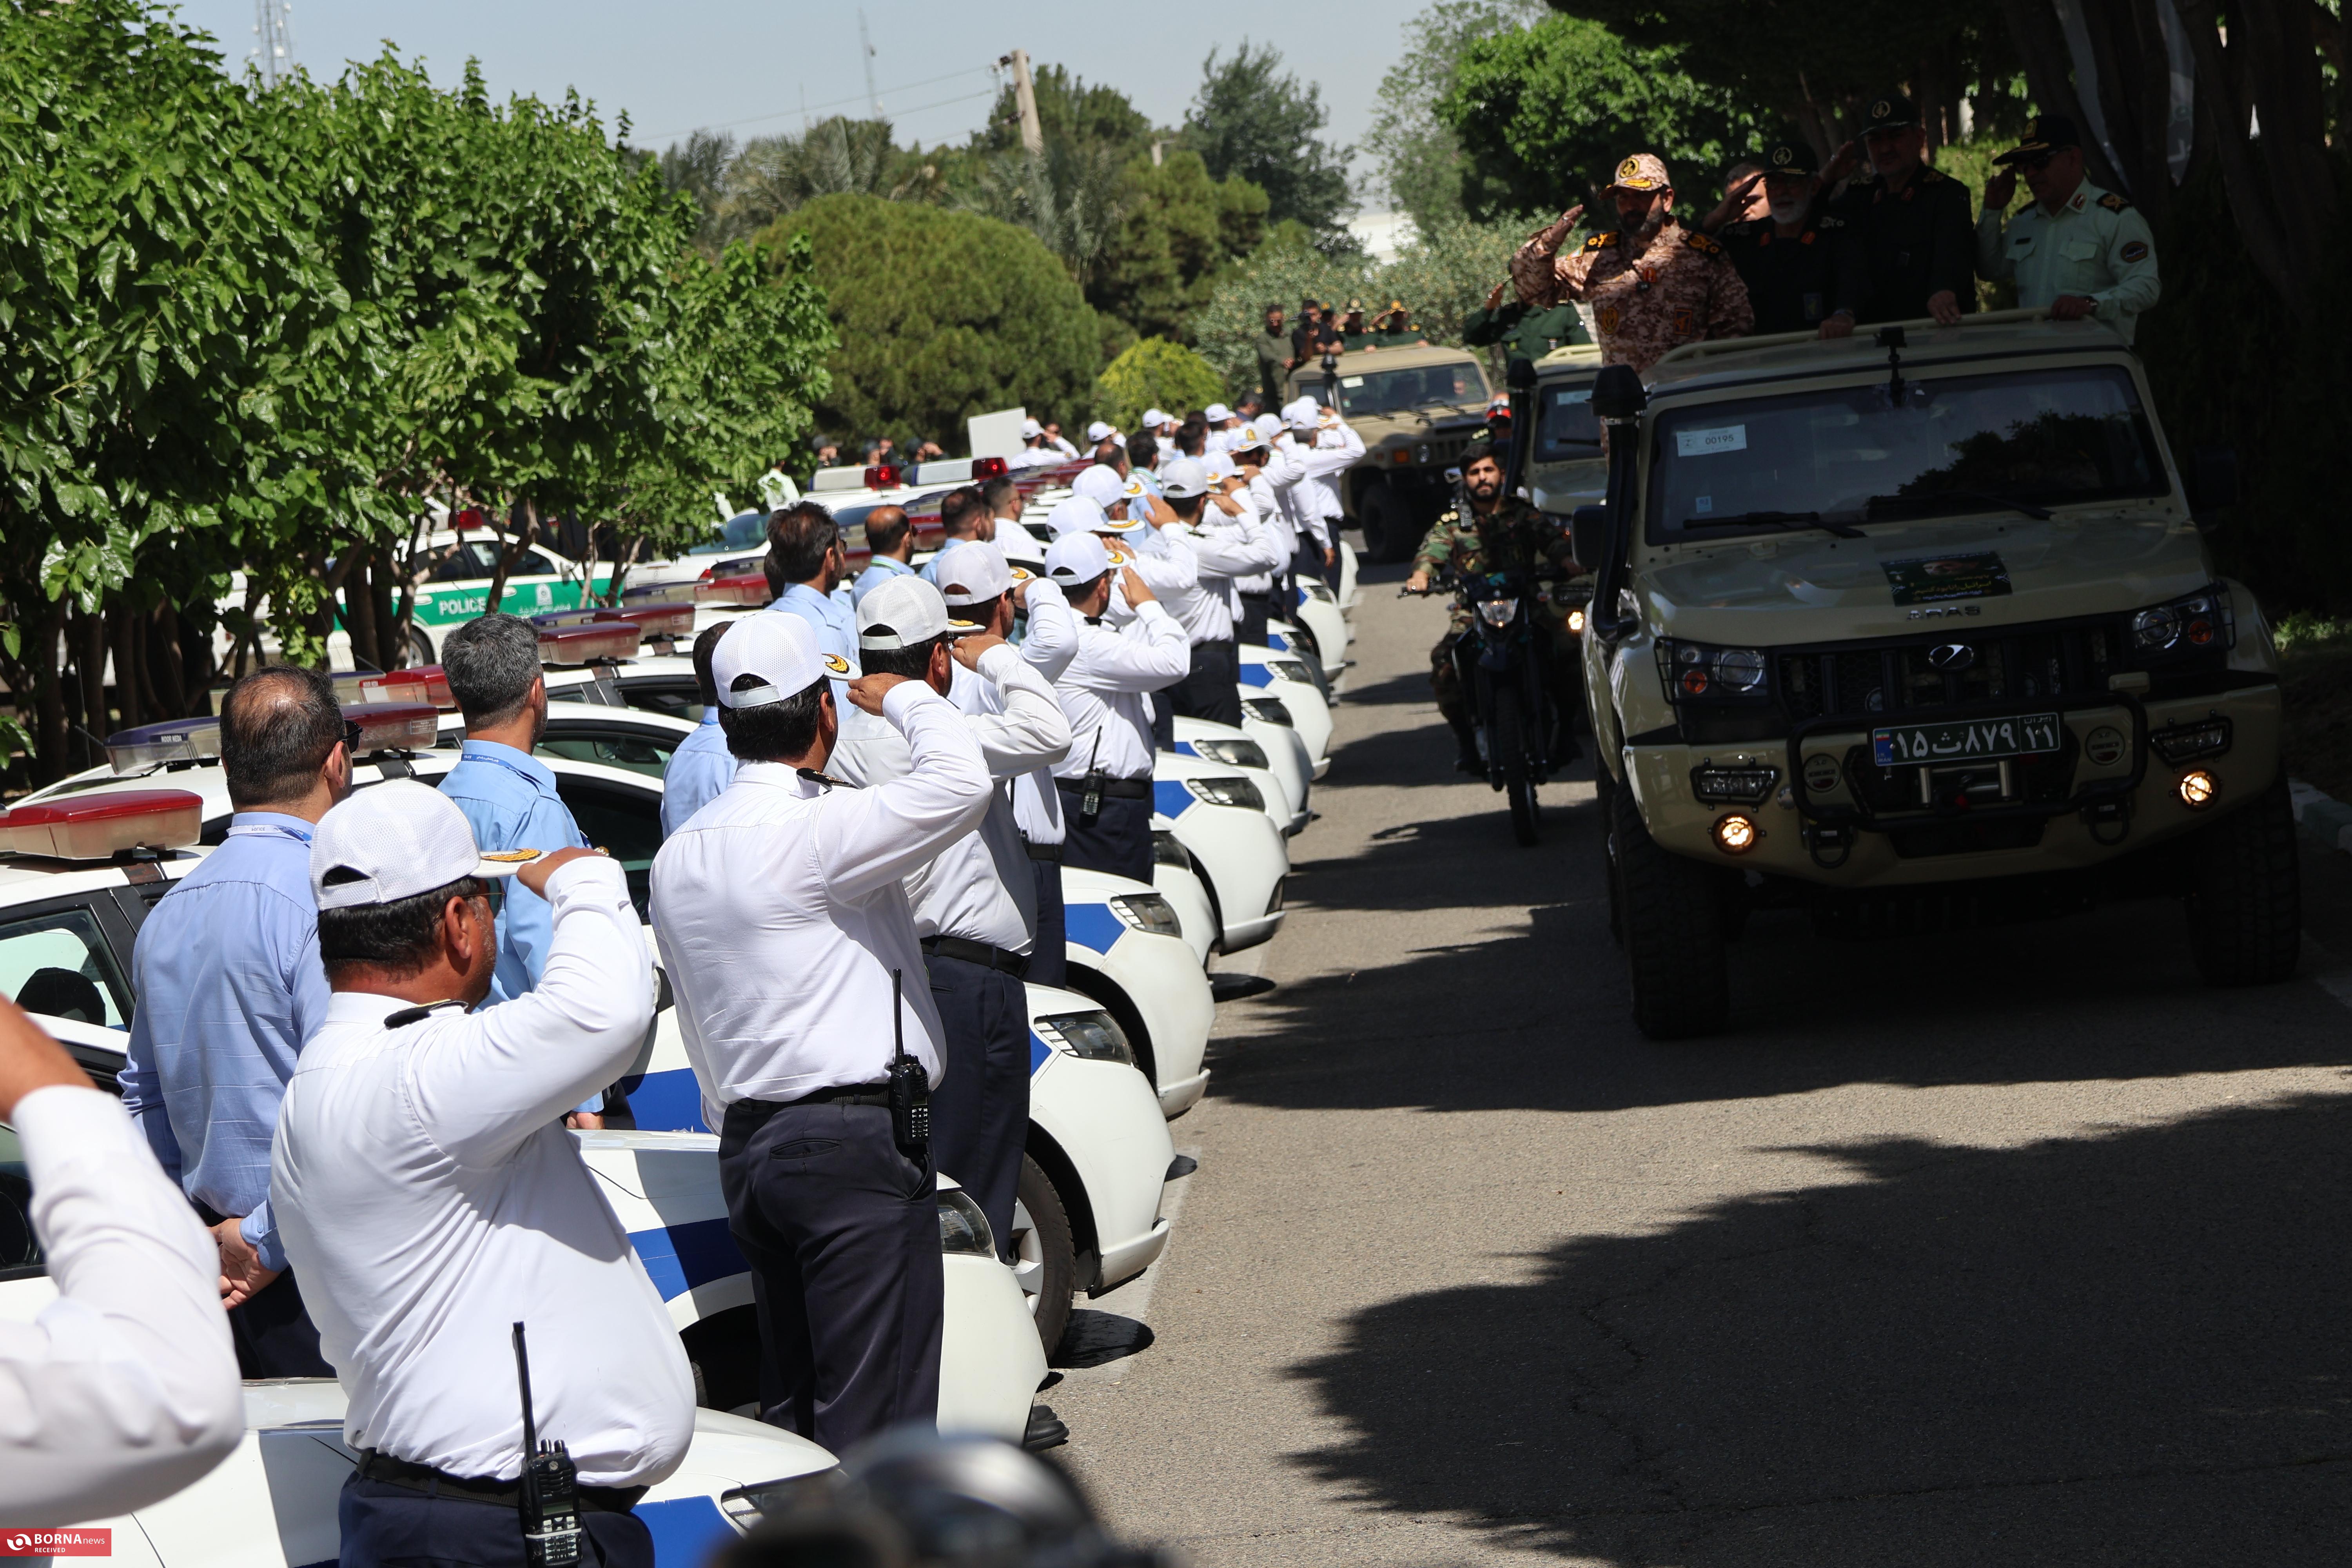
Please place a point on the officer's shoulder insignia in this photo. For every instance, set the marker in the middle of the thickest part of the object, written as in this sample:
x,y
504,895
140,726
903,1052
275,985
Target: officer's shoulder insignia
x,y
1596,241
822,780
2113,203
513,856
835,663
2134,251
1930,177
1704,244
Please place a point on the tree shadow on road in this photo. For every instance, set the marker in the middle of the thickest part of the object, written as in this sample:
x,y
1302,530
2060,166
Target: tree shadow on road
x,y
2123,1348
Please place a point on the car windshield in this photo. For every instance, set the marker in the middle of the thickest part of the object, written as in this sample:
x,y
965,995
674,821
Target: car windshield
x,y
2018,440
1566,429
1392,391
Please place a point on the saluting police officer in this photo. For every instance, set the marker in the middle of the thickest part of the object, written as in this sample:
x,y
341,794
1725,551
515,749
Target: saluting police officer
x,y
429,1199
1793,260
1909,226
2078,250
784,927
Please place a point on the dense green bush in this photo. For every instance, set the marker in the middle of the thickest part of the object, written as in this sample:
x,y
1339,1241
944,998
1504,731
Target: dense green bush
x,y
1155,373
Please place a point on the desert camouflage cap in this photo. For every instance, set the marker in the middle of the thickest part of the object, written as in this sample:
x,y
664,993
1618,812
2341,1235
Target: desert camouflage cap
x,y
1641,172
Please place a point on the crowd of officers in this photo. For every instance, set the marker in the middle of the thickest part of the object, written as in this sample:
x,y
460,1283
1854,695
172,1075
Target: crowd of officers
x,y
368,1022
1798,246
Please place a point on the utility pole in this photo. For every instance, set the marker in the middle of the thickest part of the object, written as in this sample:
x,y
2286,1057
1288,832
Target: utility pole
x,y
273,40
866,49
1025,98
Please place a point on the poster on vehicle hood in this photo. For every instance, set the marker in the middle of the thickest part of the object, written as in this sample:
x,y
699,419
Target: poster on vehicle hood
x,y
1931,579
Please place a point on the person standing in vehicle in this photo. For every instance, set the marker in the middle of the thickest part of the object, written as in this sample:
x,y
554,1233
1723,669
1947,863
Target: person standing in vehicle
x,y
1273,357
783,923
431,1201
1523,333
1914,241
891,539
806,562
1497,533
2078,251
1799,273
229,986
701,768
1652,283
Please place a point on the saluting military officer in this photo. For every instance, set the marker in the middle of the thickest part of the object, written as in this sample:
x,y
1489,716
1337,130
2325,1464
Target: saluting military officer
x,y
1652,283
2078,250
1799,272
1909,225
1524,333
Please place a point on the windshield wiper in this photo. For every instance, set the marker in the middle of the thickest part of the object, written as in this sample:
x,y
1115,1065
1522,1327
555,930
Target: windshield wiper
x,y
2008,503
1791,520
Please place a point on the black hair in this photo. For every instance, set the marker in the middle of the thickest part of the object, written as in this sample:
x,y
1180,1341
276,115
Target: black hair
x,y
1192,439
1187,508
885,528
775,732
1478,451
400,937
962,510
1271,309
278,727
1143,448
914,663
491,661
706,644
799,538
998,490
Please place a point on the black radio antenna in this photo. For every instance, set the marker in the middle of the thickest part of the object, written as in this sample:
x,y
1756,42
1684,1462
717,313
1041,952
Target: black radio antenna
x,y
522,1375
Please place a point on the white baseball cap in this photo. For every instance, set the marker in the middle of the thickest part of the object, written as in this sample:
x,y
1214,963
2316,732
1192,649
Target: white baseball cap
x,y
1074,558
1154,418
1100,485
395,841
1030,429
779,650
1097,430
974,572
1184,478
1268,425
1248,438
1221,465
1081,515
1216,412
1302,413
901,613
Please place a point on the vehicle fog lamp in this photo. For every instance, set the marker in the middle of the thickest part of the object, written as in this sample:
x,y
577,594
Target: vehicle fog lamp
x,y
1576,622
2197,788
1694,681
1736,835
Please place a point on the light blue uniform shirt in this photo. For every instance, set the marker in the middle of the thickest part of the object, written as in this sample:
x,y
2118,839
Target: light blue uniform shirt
x,y
697,773
509,799
932,567
883,569
230,986
836,628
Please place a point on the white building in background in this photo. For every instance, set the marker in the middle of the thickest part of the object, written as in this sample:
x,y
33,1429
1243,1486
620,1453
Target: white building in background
x,y
1382,234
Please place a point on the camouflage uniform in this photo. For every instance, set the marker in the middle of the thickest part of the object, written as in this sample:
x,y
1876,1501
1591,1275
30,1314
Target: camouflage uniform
x,y
1514,537
1681,288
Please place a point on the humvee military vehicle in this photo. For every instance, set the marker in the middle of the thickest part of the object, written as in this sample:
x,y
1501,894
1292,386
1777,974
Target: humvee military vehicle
x,y
1416,409
1920,628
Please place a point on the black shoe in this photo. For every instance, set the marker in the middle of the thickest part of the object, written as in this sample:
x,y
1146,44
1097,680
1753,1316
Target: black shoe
x,y
1472,763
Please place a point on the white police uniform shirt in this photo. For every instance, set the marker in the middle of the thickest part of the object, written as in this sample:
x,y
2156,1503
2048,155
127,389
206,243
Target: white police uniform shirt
x,y
980,888
1266,510
2097,245
1173,576
1106,689
430,1198
1228,551
1313,499
1048,647
779,911
124,1389
1338,446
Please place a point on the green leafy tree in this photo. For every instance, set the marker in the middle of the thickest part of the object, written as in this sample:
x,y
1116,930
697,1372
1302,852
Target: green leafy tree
x,y
1155,373
1252,119
1418,155
1179,227
1069,195
1286,269
941,315
1446,273
1067,111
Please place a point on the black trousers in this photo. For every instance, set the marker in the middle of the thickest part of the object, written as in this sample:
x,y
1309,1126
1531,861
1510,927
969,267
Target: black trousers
x,y
842,1232
1048,958
1163,721
1251,629
1212,691
385,1525
273,1332
1307,564
980,1112
1116,840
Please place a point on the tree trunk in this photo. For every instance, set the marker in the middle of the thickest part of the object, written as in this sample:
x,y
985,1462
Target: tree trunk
x,y
2033,26
2271,244
50,736
166,662
359,592
510,552
90,666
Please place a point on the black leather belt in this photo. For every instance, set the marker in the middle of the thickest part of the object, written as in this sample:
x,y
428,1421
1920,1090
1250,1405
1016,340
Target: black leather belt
x,y
1038,851
1113,789
1013,963
375,1467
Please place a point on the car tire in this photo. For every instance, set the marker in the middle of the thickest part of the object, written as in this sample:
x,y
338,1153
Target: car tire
x,y
1042,1253
1387,523
1669,911
2245,893
1508,741
421,650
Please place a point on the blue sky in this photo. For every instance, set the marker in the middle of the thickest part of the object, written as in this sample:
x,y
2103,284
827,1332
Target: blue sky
x,y
678,67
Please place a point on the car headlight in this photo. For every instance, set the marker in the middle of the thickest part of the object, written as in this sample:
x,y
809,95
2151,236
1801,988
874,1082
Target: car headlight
x,y
1148,913
1093,1035
1235,754
747,1506
1576,622
963,1229
1694,671
1167,851
1498,613
1319,591
2203,620
1227,791
1289,669
1269,711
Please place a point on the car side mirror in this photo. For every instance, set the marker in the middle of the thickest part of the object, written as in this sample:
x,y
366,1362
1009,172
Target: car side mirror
x,y
1618,393
1521,376
1588,535
2211,481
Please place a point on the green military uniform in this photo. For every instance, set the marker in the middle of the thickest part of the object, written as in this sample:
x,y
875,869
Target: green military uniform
x,y
2097,245
1525,333
1514,537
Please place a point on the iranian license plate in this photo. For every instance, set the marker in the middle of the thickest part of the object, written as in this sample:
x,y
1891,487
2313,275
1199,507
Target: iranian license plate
x,y
1965,740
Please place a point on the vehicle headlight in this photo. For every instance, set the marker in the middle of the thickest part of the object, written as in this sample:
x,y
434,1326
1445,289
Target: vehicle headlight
x,y
2203,620
1320,591
1233,753
1167,851
1289,669
1269,711
747,1506
963,1229
1093,1035
1498,613
1227,791
1148,911
1576,622
1694,671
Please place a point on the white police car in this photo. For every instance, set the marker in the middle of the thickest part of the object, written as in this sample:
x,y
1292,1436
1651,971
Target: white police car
x,y
1315,608
1174,878
1268,755
1280,686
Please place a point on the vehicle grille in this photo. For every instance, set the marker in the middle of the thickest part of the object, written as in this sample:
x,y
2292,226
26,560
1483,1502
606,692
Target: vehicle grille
x,y
2032,665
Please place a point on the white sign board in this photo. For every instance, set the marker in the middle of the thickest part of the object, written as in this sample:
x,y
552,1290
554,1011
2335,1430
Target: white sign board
x,y
995,434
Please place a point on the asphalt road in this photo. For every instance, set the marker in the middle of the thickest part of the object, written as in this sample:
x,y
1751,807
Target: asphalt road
x,y
2015,1246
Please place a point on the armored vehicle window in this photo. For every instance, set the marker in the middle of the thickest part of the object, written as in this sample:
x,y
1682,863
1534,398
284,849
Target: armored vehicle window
x,y
1391,391
1850,455
1567,430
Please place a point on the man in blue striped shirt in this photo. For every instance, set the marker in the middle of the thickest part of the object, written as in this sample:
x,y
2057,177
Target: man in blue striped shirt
x,y
230,986
702,767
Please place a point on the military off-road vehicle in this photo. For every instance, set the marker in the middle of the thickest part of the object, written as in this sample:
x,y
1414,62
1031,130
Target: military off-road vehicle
x,y
1566,469
1919,629
1416,409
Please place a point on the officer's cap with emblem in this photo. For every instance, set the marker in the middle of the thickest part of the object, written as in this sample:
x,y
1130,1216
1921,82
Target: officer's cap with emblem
x,y
1892,112
973,573
1220,466
2044,134
395,841
778,651
904,611
1248,438
1079,515
1181,478
1077,558
1641,172
1790,158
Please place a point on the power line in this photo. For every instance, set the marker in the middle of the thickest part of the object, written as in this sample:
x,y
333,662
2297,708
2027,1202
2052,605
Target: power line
x,y
837,103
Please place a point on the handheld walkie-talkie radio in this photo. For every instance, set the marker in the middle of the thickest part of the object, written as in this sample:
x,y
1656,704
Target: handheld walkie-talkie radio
x,y
551,1501
1090,802
911,1085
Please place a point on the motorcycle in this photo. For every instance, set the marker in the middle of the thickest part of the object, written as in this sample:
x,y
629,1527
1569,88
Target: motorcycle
x,y
1502,677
